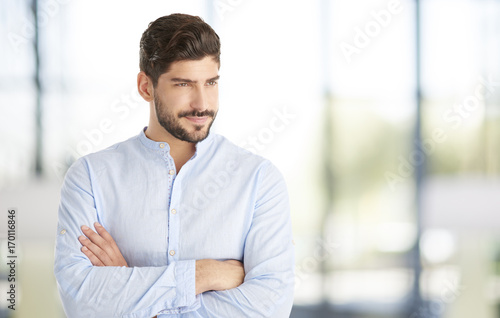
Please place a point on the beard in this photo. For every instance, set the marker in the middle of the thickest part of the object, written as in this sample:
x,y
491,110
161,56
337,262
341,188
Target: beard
x,y
172,123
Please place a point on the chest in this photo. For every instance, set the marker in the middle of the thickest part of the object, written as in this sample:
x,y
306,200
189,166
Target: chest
x,y
205,216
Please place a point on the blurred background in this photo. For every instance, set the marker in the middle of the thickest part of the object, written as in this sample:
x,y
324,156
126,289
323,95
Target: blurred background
x,y
383,116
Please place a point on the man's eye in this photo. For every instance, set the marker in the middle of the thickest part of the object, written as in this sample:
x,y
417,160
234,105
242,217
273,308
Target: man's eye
x,y
181,84
211,83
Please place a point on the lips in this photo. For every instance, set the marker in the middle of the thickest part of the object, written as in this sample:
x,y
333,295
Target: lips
x,y
197,120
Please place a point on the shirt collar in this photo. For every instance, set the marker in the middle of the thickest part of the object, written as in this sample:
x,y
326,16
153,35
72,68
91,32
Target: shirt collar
x,y
162,145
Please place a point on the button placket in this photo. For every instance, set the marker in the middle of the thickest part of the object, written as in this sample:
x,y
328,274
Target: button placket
x,y
173,220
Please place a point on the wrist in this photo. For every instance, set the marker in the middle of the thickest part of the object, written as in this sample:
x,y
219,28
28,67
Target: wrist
x,y
204,275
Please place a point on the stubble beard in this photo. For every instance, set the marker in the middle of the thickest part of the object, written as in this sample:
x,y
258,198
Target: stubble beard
x,y
172,122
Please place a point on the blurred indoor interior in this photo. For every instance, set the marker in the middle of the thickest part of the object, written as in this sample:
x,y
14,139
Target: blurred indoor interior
x,y
388,137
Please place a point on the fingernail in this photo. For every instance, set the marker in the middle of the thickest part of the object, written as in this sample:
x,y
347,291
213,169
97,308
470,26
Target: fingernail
x,y
97,224
82,238
85,228
84,248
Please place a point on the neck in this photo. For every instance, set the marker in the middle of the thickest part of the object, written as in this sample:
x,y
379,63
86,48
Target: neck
x,y
181,151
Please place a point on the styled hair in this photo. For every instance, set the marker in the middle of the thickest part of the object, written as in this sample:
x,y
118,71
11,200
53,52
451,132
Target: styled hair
x,y
173,38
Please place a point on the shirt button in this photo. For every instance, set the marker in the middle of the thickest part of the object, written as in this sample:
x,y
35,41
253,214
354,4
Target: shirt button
x,y
171,172
172,253
162,145
63,231
174,211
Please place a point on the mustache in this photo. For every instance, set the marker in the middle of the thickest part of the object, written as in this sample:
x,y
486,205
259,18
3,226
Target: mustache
x,y
209,113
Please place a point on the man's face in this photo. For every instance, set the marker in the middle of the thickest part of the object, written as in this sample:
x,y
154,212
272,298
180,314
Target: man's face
x,y
186,99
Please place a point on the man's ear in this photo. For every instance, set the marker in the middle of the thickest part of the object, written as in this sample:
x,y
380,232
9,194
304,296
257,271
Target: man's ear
x,y
145,86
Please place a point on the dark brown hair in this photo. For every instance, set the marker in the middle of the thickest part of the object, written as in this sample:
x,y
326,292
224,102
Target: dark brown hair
x,y
173,38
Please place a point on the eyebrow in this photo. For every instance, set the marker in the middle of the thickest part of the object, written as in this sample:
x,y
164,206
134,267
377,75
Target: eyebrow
x,y
185,80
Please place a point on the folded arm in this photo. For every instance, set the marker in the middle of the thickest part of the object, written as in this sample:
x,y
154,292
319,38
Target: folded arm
x,y
267,290
102,250
92,291
269,261
118,290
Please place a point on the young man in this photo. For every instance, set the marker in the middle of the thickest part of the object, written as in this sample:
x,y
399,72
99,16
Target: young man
x,y
177,221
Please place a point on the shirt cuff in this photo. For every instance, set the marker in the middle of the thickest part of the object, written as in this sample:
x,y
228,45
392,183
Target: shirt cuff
x,y
185,279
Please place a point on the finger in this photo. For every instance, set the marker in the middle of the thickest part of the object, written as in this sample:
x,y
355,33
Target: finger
x,y
96,250
106,236
117,256
93,259
96,238
108,244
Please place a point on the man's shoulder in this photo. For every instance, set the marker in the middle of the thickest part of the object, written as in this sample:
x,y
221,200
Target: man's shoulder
x,y
117,149
111,154
250,165
227,148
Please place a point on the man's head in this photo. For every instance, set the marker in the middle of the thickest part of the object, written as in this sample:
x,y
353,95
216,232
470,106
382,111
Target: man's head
x,y
179,62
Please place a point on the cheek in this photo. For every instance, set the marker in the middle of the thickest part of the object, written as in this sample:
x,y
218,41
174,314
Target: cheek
x,y
175,101
214,98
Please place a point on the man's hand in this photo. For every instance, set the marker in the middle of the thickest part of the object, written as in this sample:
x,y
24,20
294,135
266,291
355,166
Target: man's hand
x,y
218,275
100,247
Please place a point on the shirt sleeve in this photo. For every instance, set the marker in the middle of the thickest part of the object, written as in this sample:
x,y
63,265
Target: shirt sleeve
x,y
92,291
269,261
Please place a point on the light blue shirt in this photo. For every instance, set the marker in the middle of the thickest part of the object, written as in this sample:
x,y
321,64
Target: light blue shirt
x,y
225,203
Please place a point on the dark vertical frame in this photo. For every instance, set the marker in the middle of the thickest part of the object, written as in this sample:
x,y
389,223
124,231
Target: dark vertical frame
x,y
38,98
417,302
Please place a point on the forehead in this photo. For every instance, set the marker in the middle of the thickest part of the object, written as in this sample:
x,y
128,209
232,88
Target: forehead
x,y
196,70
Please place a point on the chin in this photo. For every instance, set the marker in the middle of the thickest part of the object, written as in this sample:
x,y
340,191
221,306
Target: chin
x,y
196,136
199,136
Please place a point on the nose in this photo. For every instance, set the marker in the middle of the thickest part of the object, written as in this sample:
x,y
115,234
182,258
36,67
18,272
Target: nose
x,y
199,99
